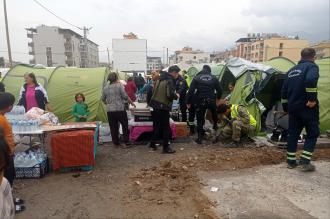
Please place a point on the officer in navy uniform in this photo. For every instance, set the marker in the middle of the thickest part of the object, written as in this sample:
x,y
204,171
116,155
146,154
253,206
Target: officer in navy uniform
x,y
181,87
299,99
206,89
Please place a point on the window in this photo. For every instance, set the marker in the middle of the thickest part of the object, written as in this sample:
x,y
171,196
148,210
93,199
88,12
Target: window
x,y
261,45
49,56
280,54
281,45
252,47
194,57
256,55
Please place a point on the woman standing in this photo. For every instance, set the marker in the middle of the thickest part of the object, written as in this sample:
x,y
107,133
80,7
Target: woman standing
x,y
131,89
115,97
33,94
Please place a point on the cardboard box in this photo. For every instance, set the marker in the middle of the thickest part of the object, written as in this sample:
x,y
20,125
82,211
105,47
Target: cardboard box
x,y
181,129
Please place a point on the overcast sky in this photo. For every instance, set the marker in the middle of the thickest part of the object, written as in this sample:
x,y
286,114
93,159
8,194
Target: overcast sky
x,y
209,25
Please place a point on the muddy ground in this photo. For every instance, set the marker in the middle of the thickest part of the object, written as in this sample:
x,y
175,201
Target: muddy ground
x,y
140,183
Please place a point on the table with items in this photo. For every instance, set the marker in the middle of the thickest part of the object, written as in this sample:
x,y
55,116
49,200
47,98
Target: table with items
x,y
60,146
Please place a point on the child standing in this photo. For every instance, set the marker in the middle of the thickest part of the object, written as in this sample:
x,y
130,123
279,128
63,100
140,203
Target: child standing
x,y
80,109
7,101
7,209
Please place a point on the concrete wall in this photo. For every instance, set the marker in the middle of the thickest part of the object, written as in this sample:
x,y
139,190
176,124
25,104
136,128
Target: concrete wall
x,y
291,48
129,54
49,37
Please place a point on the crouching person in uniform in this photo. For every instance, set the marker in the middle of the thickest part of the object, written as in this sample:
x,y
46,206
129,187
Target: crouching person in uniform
x,y
237,122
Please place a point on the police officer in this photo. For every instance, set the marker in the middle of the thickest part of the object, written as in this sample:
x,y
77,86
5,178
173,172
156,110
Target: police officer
x,y
181,87
206,89
237,122
299,99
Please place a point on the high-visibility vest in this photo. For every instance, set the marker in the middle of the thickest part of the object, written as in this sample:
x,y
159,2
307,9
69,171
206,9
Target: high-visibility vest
x,y
234,114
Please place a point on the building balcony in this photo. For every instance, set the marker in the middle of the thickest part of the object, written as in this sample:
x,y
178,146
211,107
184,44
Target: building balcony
x,y
31,52
29,35
68,53
68,46
31,44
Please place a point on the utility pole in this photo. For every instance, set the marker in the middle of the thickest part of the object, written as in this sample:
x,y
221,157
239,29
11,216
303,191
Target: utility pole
x,y
164,56
85,48
108,56
167,56
7,34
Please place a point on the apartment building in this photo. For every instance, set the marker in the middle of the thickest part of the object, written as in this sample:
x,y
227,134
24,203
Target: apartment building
x,y
322,49
55,46
130,54
154,63
189,56
260,48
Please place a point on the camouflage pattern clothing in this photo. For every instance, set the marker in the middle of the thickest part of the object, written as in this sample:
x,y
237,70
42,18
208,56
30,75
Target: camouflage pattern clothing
x,y
235,127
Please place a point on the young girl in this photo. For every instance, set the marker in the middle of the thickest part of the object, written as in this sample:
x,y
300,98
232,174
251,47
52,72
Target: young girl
x,y
80,109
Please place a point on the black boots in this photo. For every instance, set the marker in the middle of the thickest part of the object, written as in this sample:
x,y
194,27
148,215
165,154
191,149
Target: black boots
x,y
168,150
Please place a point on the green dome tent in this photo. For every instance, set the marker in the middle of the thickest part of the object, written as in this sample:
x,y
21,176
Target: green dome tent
x,y
323,89
280,63
220,71
257,85
62,84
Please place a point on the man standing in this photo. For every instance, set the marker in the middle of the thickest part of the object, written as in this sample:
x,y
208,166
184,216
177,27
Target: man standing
x,y
141,82
237,122
181,87
161,102
206,89
299,99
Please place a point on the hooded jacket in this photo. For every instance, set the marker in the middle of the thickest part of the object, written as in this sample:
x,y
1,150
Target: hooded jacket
x,y
204,86
300,86
40,94
163,93
131,89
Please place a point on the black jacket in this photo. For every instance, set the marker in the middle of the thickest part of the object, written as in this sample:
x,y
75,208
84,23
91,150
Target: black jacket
x,y
181,88
204,86
300,86
40,94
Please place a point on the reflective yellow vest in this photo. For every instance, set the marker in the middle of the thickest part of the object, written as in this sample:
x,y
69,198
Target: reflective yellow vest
x,y
234,114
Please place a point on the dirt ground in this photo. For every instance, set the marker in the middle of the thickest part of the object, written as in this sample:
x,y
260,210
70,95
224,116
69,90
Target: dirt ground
x,y
140,183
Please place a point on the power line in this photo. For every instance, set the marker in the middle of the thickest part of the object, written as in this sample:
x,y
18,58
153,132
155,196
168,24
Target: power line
x,y
44,7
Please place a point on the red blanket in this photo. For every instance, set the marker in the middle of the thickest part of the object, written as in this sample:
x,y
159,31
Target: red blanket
x,y
72,149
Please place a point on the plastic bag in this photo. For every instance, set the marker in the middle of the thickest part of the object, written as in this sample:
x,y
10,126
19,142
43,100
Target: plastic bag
x,y
34,113
48,118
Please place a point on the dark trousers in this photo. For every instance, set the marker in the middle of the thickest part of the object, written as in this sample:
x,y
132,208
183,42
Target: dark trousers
x,y
192,115
9,172
200,114
161,127
114,119
308,119
183,110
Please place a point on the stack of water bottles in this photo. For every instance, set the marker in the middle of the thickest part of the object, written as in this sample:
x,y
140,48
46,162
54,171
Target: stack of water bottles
x,y
31,164
19,123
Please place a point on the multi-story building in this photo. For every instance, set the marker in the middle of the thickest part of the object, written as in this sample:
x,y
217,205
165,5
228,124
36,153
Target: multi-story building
x,y
189,56
130,54
54,46
154,63
260,48
218,57
322,49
